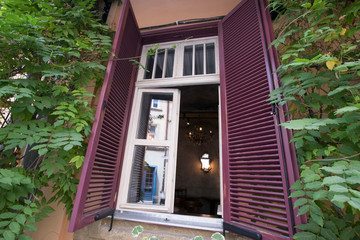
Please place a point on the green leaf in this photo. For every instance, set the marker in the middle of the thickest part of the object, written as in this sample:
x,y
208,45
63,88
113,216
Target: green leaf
x,y
315,209
21,218
355,193
296,194
313,185
317,218
10,196
347,234
137,230
333,180
4,223
14,227
306,5
28,211
7,215
297,185
338,188
8,235
340,198
304,209
68,147
312,227
197,238
24,237
299,202
353,180
355,203
30,227
346,109
217,236
328,234
42,151
305,236
320,195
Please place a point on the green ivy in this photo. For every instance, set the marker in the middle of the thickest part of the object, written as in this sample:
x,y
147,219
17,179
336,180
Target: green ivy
x,y
49,51
318,42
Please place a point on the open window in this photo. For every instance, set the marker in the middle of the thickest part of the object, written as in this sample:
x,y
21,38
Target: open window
x,y
257,160
150,159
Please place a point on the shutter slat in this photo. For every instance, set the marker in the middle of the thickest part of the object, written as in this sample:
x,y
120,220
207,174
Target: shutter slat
x,y
263,226
270,210
264,195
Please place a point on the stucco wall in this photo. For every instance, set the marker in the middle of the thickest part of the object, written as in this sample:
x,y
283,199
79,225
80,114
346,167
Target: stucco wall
x,y
122,231
157,12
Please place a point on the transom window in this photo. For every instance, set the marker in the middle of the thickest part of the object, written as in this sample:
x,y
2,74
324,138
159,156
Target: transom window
x,y
175,63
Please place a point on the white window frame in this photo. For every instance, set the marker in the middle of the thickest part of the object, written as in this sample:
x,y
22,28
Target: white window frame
x,y
178,79
157,85
132,141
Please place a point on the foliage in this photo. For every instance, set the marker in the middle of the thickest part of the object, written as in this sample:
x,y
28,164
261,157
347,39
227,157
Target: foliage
x,y
49,50
137,230
318,42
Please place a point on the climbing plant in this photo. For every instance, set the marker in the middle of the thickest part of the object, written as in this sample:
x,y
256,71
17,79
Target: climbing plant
x,y
49,51
318,45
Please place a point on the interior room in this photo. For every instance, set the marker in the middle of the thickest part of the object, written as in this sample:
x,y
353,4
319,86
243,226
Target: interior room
x,y
197,190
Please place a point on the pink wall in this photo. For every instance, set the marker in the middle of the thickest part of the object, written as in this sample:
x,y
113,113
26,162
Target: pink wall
x,y
157,12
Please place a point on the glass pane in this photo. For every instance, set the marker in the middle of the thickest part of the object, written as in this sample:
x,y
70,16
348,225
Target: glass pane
x,y
210,58
160,63
149,66
148,180
155,116
199,59
170,62
188,58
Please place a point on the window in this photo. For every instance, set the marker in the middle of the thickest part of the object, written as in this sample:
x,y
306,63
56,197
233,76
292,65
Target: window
x,y
187,62
154,171
150,158
155,103
199,59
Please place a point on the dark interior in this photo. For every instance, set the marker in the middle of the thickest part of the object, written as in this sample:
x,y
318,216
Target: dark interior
x,y
198,192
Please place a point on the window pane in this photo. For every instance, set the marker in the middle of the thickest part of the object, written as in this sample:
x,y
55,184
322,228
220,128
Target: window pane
x,y
210,58
147,181
159,63
155,111
149,66
170,62
188,58
199,59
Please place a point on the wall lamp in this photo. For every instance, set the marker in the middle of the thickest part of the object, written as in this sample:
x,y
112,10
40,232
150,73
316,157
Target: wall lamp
x,y
205,163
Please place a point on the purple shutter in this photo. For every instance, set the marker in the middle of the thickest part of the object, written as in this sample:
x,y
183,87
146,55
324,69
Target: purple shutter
x,y
100,175
259,164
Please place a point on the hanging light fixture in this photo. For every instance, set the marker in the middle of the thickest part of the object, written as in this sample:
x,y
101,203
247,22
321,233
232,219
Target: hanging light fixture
x,y
205,163
197,134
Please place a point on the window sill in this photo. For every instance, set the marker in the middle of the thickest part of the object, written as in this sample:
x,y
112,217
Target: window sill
x,y
184,221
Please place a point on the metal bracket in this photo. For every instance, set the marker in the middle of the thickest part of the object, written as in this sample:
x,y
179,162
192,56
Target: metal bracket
x,y
104,105
242,231
104,214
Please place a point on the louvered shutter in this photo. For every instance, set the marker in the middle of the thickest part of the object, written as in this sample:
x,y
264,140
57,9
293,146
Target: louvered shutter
x,y
259,165
102,167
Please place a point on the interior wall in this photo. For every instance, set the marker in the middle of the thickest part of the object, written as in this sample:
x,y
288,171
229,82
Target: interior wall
x,y
189,175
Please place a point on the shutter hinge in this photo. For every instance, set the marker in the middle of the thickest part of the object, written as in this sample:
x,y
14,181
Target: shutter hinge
x,y
104,104
273,110
104,214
